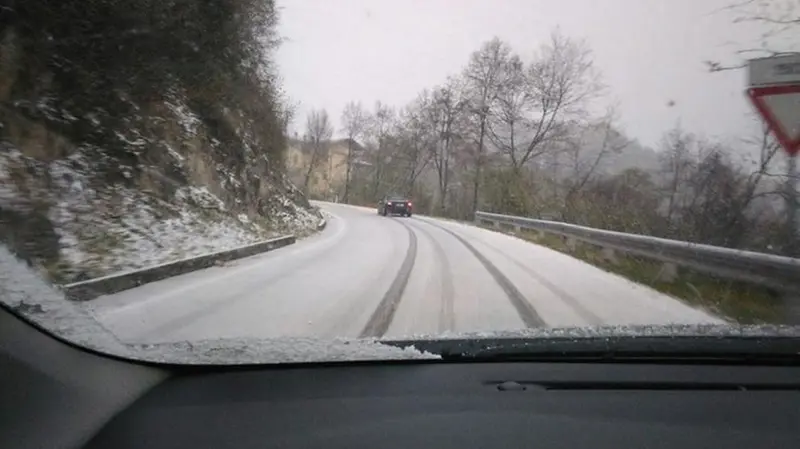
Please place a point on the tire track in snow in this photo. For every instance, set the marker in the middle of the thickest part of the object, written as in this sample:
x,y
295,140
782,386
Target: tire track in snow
x,y
447,310
524,309
382,317
568,299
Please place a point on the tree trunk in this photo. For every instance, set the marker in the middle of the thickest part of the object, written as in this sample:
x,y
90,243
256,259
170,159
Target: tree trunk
x,y
348,170
307,179
443,173
378,170
478,166
311,165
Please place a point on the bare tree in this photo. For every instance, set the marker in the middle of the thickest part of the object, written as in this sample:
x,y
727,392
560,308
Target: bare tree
x,y
768,148
497,112
780,22
560,82
536,104
380,127
677,160
484,77
354,123
762,184
598,141
509,112
318,135
416,137
447,103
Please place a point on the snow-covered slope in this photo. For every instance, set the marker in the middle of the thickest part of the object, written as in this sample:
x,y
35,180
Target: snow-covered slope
x,y
130,136
164,186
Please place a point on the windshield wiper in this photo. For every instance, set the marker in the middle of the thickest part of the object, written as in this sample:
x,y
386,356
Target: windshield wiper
x,y
749,350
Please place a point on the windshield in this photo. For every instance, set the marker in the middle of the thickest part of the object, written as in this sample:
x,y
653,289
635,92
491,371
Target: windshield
x,y
207,176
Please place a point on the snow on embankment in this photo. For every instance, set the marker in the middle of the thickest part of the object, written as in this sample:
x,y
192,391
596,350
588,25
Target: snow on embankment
x,y
131,137
164,187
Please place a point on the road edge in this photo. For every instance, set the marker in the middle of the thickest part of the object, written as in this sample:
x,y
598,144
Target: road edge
x,y
93,288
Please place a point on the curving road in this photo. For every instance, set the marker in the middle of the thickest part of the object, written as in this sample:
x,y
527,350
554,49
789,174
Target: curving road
x,y
372,276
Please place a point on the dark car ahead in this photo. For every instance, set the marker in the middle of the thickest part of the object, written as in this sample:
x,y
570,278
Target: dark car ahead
x,y
395,205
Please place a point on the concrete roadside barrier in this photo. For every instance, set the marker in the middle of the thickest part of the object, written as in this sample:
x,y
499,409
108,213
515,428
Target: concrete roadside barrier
x,y
93,288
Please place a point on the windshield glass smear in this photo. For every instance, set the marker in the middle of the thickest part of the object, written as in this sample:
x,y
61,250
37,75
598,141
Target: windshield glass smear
x,y
268,181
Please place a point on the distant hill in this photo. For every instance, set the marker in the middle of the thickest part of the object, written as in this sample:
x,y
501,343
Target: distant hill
x,y
632,156
620,154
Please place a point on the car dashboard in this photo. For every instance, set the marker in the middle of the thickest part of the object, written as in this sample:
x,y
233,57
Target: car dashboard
x,y
58,395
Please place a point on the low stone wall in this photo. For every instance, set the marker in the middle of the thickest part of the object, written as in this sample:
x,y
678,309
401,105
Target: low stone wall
x,y
93,288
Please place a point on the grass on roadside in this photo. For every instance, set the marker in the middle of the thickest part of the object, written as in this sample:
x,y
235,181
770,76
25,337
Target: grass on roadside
x,y
742,302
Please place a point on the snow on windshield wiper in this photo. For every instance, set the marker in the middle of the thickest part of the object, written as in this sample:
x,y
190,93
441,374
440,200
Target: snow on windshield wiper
x,y
729,349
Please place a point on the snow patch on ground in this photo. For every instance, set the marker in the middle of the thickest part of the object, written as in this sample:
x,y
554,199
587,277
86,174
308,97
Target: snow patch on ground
x,y
148,232
150,241
292,216
201,197
188,121
115,228
135,142
172,152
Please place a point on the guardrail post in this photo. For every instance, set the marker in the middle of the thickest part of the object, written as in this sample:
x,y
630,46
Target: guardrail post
x,y
572,243
496,224
668,272
517,228
791,303
610,256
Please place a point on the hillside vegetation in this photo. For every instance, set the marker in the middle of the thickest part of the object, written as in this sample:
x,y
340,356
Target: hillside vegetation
x,y
529,133
134,132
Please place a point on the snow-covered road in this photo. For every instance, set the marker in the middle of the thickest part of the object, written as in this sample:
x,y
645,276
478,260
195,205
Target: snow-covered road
x,y
368,275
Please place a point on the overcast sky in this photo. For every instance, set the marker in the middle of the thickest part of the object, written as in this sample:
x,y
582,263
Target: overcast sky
x,y
650,52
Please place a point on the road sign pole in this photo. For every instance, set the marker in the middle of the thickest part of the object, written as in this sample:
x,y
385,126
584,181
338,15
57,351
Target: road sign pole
x,y
792,208
774,90
791,301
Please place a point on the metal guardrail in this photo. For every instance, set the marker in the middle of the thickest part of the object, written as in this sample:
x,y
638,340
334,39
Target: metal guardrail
x,y
776,272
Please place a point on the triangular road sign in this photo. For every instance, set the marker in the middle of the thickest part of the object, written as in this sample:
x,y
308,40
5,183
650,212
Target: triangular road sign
x,y
780,108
